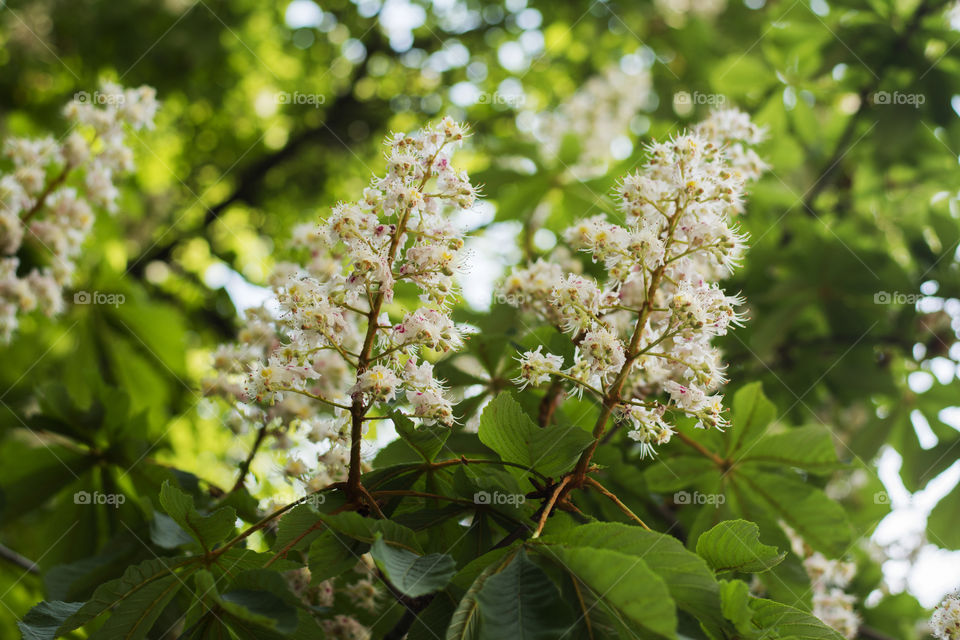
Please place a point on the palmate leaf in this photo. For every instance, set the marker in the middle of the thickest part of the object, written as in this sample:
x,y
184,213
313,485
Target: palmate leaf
x,y
734,545
505,428
413,575
757,486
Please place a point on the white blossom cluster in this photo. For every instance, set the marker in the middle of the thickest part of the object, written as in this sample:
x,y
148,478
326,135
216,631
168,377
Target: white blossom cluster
x,y
831,603
596,115
945,622
828,579
331,343
50,191
646,327
363,593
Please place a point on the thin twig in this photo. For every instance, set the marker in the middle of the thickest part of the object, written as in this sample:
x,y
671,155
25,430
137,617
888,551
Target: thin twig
x,y
549,506
690,442
245,465
18,560
599,487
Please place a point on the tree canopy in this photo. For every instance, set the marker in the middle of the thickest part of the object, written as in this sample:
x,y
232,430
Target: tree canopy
x,y
273,369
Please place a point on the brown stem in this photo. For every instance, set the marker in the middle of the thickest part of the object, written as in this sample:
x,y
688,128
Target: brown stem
x,y
282,552
243,535
549,506
468,461
245,465
18,560
612,397
357,408
421,494
372,502
42,198
690,442
599,487
552,399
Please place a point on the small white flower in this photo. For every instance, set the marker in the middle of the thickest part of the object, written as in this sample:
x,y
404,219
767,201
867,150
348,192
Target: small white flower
x,y
536,367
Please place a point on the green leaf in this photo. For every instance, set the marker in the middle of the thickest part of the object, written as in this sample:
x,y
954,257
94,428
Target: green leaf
x,y
140,589
466,619
520,602
259,597
623,581
505,428
332,554
942,526
207,530
735,597
412,574
31,475
166,533
690,581
678,472
354,525
427,440
236,559
752,412
786,622
297,528
734,545
820,521
432,622
809,448
43,620
135,601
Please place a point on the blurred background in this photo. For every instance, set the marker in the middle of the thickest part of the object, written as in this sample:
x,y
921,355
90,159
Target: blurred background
x,y
272,112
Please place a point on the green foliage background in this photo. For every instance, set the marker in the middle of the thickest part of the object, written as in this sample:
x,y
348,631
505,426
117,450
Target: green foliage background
x,y
862,199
